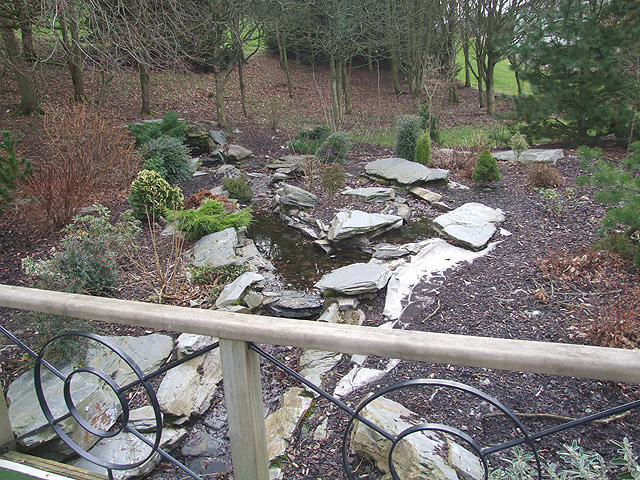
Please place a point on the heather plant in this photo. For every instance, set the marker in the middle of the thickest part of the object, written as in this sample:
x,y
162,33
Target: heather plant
x,y
334,148
87,260
151,196
169,157
238,189
332,178
486,169
619,188
13,169
211,217
408,131
423,149
170,126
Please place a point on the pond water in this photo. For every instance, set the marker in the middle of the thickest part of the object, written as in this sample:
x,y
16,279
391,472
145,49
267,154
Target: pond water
x,y
300,263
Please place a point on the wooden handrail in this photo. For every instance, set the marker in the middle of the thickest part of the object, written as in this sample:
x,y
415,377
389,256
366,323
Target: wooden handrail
x,y
497,353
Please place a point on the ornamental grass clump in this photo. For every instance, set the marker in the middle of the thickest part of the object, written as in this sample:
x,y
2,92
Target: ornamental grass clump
x,y
151,196
486,169
408,130
169,157
334,148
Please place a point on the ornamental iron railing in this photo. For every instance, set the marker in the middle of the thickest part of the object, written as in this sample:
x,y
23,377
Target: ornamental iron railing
x,y
240,354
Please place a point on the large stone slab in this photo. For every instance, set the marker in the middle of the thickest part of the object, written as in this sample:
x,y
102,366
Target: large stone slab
x,y
355,279
235,153
352,223
294,304
534,155
405,172
420,456
234,291
314,364
282,424
216,249
296,197
126,448
188,388
435,256
371,194
472,225
360,377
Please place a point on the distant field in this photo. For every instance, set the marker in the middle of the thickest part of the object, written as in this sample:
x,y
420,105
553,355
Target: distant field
x,y
504,77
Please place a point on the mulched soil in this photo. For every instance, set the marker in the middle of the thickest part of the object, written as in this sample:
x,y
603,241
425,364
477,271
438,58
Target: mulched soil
x,y
504,294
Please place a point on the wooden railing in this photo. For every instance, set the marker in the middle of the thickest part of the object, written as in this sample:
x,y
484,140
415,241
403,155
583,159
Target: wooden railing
x,y
241,369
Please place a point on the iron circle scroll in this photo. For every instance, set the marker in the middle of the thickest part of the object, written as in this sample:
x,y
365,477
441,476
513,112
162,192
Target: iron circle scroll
x,y
57,427
447,384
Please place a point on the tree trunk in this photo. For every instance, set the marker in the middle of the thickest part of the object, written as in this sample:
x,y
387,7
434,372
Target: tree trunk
x,y
219,79
346,86
395,81
282,46
335,92
71,44
489,84
370,58
243,93
467,69
104,83
145,87
29,104
27,41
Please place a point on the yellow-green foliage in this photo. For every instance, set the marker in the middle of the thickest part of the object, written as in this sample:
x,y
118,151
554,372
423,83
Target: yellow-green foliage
x,y
423,149
211,217
151,196
486,170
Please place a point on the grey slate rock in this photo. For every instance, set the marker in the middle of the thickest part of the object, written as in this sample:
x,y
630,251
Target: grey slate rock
x,y
405,172
355,279
216,249
351,223
472,225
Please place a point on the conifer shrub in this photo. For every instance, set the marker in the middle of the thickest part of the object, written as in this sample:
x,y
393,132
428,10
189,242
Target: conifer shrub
x,y
518,144
238,189
169,157
170,126
211,217
408,131
151,196
308,141
619,188
429,123
423,149
13,169
334,148
486,169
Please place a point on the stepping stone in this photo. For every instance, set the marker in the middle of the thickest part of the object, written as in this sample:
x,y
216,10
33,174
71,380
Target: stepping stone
x,y
472,225
372,194
355,279
355,222
405,172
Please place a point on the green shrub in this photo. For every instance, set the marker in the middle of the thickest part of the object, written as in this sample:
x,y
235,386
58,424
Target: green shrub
x,y
486,169
334,148
211,217
170,126
332,178
151,196
308,141
238,189
407,133
87,261
12,168
518,144
429,123
169,157
620,188
423,149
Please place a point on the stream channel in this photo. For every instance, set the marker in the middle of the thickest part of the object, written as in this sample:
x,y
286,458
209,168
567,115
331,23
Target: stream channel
x,y
300,263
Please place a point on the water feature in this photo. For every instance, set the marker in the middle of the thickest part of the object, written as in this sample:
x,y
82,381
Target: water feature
x,y
301,263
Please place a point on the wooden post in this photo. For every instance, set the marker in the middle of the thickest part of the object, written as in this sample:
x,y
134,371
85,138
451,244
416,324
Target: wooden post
x,y
245,410
6,433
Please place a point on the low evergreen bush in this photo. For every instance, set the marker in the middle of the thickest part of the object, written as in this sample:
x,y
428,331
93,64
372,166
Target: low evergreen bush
x,y
169,157
408,130
151,196
211,217
423,149
170,126
238,189
13,169
429,123
619,188
334,148
486,169
308,141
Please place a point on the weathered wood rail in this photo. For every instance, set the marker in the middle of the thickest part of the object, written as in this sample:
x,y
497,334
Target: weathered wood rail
x,y
241,371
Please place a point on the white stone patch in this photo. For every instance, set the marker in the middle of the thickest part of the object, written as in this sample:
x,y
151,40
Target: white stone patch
x,y
359,377
435,257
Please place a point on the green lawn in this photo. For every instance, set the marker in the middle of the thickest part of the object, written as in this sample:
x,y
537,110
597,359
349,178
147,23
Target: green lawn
x,y
504,77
